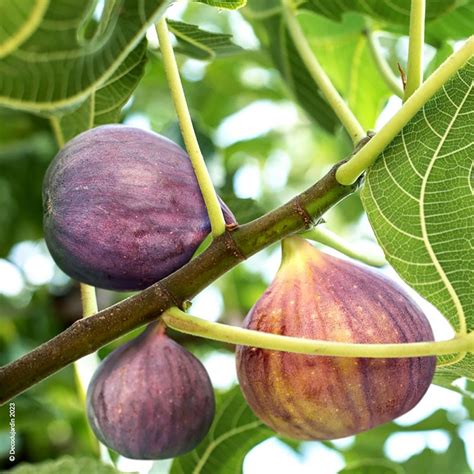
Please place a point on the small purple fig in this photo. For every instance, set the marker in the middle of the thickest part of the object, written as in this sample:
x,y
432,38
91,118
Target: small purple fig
x,y
318,296
122,208
150,398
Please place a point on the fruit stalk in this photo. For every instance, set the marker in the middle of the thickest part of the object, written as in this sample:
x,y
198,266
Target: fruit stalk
x,y
192,146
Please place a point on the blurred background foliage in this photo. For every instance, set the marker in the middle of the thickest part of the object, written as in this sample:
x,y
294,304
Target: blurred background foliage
x,y
261,148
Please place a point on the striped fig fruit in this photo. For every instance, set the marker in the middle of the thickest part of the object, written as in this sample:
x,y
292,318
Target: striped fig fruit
x,y
122,208
150,398
318,296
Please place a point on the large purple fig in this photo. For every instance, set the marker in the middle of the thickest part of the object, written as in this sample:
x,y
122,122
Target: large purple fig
x,y
122,208
150,398
318,296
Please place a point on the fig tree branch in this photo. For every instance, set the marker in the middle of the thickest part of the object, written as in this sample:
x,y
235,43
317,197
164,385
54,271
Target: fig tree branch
x,y
415,47
177,319
226,251
367,155
337,103
213,207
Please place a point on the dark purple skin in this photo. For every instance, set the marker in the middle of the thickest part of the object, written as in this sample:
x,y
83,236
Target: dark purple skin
x,y
151,398
122,208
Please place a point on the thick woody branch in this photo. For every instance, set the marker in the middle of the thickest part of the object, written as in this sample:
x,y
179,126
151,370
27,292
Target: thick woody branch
x,y
89,334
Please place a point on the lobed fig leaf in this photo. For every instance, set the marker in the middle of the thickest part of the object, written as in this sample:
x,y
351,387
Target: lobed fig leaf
x,y
122,208
151,398
318,296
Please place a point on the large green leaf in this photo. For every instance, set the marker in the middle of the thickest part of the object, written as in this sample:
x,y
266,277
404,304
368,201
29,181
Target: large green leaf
x,y
446,376
66,464
105,105
234,432
452,461
388,11
461,368
228,4
373,466
201,44
343,51
456,24
419,199
19,21
273,33
52,73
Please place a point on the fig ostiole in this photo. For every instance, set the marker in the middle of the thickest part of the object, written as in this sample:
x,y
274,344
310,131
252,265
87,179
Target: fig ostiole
x,y
151,398
123,208
318,296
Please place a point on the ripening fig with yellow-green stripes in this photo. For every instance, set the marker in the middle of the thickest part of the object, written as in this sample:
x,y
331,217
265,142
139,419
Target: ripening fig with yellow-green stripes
x,y
318,296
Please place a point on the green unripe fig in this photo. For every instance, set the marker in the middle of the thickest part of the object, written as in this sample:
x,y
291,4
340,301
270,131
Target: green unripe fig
x,y
318,296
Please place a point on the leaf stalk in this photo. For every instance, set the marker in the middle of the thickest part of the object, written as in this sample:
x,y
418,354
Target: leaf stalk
x,y
180,321
366,156
384,69
330,93
175,85
331,239
415,47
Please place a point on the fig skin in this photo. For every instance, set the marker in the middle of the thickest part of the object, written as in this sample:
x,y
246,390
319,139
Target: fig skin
x,y
122,208
151,398
318,296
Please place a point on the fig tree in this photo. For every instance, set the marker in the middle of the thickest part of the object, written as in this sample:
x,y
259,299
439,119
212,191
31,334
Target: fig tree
x,y
122,208
318,296
150,398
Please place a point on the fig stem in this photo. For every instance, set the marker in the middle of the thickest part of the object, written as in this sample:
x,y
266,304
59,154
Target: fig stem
x,y
331,239
180,321
175,85
415,47
85,367
348,172
334,99
386,73
89,300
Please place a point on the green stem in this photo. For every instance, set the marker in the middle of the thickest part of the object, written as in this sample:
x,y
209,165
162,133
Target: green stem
x,y
366,156
331,239
58,134
192,146
89,300
180,321
337,103
415,48
384,69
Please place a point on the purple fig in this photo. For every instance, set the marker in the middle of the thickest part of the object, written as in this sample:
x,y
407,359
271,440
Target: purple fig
x,y
318,296
122,208
150,398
